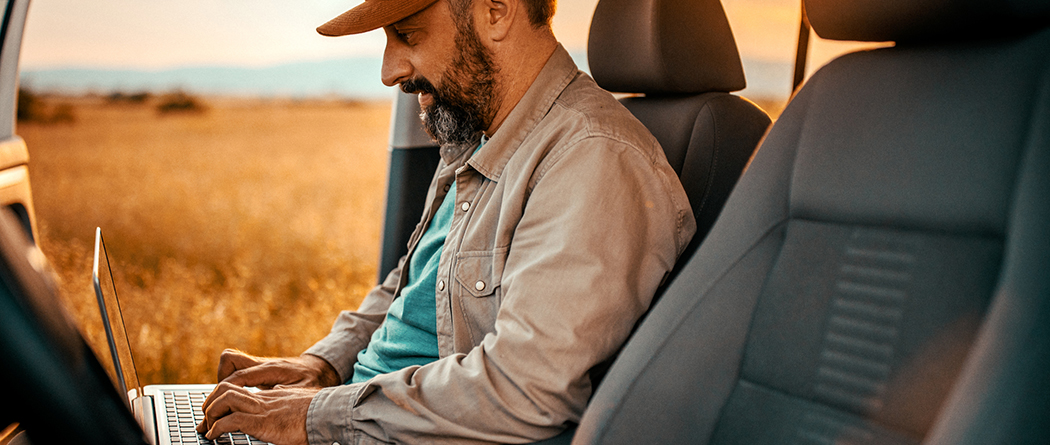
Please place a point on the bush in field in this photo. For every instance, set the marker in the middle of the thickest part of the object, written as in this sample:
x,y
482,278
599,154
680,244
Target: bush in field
x,y
62,113
32,107
130,98
180,102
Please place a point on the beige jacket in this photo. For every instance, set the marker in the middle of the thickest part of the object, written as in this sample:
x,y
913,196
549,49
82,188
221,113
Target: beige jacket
x,y
567,220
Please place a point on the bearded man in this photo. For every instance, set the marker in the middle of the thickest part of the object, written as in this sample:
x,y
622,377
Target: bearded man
x,y
551,220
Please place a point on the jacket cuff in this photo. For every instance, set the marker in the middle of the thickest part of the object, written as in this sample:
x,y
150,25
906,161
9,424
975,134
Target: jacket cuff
x,y
333,349
328,420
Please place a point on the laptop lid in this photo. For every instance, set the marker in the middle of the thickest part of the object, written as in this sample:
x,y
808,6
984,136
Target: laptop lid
x,y
125,375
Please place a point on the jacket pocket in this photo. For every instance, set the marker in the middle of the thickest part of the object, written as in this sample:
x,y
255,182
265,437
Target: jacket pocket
x,y
480,273
478,296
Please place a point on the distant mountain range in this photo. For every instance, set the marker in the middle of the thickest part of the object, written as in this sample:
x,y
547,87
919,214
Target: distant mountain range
x,y
357,77
354,78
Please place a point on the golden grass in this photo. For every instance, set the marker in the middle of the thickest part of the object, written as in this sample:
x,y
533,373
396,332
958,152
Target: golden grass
x,y
250,225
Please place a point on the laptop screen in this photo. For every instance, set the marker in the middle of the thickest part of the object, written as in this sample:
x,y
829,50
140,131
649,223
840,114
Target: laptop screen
x,y
123,372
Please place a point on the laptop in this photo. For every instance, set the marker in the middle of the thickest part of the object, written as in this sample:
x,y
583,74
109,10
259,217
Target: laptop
x,y
168,414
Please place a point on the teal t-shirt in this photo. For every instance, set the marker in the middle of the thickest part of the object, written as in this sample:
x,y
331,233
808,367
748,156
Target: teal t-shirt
x,y
408,335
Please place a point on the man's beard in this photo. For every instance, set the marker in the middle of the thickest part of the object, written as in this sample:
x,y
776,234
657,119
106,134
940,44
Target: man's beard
x,y
464,104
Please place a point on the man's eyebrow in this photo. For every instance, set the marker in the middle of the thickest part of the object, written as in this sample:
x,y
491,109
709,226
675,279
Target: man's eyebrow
x,y
402,25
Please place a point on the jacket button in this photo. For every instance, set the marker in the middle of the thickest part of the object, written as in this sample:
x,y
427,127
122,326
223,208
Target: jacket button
x,y
441,284
465,206
480,285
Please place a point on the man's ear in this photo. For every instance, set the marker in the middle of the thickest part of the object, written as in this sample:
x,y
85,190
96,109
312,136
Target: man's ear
x,y
497,16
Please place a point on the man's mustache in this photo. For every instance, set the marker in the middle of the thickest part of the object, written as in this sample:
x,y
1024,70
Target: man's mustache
x,y
418,85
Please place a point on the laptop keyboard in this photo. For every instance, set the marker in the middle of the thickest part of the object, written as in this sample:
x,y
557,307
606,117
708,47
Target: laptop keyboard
x,y
184,413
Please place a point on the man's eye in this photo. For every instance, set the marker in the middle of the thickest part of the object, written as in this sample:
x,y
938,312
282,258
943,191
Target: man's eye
x,y
405,35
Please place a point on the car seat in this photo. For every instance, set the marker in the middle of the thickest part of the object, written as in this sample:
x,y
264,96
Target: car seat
x,y
679,61
879,275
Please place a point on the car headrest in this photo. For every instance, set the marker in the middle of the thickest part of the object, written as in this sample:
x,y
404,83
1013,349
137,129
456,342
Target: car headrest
x,y
923,20
663,47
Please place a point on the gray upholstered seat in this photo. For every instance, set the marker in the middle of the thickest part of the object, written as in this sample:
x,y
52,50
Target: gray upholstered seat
x,y
880,272
681,59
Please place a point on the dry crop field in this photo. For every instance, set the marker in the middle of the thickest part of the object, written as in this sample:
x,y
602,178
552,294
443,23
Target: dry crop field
x,y
249,224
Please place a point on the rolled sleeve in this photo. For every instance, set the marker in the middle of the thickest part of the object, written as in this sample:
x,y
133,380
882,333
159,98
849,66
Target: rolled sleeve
x,y
329,419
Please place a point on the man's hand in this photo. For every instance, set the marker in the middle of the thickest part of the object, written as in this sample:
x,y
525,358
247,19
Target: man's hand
x,y
277,416
305,371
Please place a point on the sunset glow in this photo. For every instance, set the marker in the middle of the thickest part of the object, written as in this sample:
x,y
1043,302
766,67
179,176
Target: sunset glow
x,y
165,34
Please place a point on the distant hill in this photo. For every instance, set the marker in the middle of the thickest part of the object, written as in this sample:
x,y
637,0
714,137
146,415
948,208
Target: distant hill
x,y
355,78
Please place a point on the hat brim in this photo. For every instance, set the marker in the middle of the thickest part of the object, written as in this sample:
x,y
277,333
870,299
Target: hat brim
x,y
372,14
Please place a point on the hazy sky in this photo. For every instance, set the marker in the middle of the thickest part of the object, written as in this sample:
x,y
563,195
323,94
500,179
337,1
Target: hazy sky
x,y
154,34
167,33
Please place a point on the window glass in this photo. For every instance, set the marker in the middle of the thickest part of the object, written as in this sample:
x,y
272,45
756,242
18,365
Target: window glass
x,y
822,51
766,33
572,23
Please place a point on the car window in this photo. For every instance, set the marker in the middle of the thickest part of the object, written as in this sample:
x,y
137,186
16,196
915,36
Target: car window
x,y
766,34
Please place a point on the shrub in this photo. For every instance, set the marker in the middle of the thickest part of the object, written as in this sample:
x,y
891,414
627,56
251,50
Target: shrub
x,y
62,113
33,108
131,98
30,107
180,102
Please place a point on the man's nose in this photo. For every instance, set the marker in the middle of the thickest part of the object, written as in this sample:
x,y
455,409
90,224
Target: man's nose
x,y
396,67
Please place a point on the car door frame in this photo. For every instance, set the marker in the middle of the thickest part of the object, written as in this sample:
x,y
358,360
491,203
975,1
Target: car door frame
x,y
15,191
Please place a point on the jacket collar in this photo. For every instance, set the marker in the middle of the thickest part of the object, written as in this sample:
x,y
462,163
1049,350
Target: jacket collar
x,y
490,160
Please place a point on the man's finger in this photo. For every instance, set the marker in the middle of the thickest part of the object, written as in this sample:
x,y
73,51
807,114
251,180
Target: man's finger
x,y
213,410
219,389
263,376
231,423
236,400
225,400
232,360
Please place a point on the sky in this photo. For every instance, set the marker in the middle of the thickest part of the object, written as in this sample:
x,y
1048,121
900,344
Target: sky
x,y
158,34
163,34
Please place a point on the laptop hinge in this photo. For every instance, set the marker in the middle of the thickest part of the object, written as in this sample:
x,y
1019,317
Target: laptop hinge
x,y
143,409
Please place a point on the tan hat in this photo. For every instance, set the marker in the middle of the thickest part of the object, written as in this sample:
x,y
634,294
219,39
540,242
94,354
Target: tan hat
x,y
372,14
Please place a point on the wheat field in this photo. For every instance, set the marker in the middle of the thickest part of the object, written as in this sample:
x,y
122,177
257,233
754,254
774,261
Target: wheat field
x,y
242,223
245,223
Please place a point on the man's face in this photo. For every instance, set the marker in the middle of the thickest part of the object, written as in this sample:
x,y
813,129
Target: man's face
x,y
441,58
